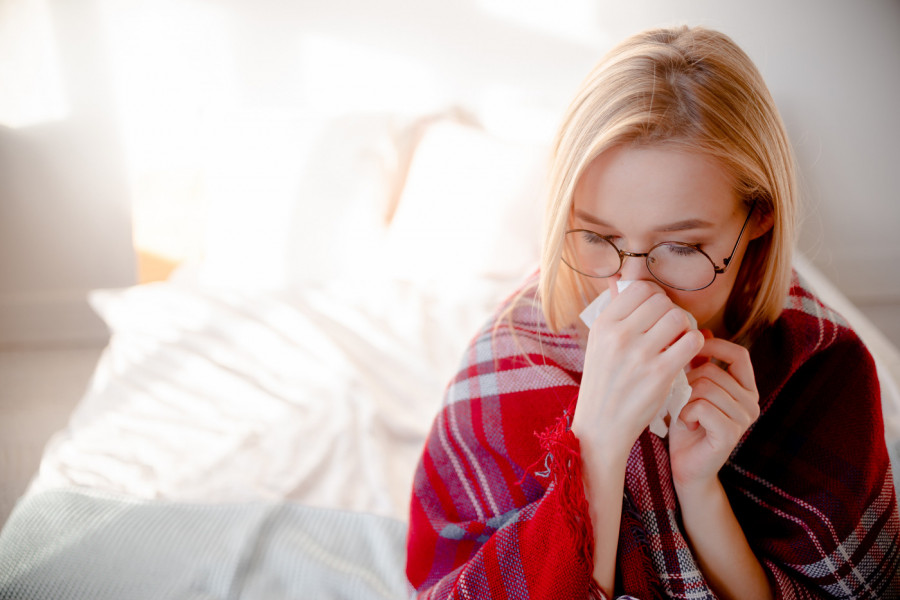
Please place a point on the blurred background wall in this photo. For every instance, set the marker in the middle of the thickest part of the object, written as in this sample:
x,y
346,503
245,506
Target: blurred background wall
x,y
65,214
126,125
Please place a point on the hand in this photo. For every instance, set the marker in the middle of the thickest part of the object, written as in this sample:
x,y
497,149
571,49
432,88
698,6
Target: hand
x,y
724,403
635,349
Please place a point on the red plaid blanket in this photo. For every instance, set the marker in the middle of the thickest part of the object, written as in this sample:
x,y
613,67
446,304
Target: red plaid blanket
x,y
498,509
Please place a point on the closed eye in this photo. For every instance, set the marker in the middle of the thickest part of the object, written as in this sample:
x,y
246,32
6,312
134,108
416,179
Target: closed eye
x,y
594,238
682,249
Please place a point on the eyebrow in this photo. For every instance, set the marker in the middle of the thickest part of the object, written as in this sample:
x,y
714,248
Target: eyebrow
x,y
683,225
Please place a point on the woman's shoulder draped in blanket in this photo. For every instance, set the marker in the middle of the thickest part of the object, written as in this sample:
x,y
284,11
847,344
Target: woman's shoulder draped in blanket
x,y
495,513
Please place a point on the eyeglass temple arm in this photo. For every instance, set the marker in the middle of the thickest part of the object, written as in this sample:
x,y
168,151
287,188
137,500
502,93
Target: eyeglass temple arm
x,y
726,261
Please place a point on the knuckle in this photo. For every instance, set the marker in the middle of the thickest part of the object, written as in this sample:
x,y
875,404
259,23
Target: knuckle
x,y
754,412
645,287
704,406
658,301
711,370
678,317
701,384
697,372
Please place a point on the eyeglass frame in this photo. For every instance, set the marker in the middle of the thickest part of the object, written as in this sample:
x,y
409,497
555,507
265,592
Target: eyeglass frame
x,y
717,270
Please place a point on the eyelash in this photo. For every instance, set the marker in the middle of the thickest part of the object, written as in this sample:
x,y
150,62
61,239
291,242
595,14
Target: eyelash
x,y
683,250
593,238
612,238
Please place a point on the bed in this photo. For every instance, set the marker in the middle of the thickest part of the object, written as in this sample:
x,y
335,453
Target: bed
x,y
252,428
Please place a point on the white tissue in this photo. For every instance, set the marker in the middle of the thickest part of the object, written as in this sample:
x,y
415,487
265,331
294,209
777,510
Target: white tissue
x,y
680,392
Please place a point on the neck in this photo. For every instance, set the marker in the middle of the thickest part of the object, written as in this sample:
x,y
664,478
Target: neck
x,y
717,325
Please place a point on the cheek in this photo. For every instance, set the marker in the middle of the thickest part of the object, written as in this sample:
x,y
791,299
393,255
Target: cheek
x,y
706,305
597,286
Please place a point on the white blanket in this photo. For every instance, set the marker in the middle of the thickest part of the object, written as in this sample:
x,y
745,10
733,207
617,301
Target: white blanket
x,y
80,545
248,445
322,396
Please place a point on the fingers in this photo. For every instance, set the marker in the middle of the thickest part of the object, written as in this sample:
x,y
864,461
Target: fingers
x,y
722,429
736,360
726,381
642,325
642,305
624,303
644,308
722,406
670,326
681,351
712,384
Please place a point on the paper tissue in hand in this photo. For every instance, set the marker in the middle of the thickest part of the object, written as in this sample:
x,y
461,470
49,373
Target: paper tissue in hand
x,y
680,392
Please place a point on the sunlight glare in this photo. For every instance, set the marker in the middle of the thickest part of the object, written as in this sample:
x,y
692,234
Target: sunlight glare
x,y
341,76
29,65
573,20
171,66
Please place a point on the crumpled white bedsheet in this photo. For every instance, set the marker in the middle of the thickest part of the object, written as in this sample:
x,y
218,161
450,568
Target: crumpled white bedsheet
x,y
323,396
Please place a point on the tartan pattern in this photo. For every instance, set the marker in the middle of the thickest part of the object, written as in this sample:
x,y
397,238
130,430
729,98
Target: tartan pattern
x,y
498,510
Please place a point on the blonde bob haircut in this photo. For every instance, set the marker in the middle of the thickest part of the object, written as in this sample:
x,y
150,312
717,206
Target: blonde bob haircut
x,y
693,89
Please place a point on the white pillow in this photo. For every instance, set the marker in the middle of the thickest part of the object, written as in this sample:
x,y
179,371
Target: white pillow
x,y
284,192
471,210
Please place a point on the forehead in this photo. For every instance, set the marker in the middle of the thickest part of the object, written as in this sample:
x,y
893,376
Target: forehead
x,y
649,184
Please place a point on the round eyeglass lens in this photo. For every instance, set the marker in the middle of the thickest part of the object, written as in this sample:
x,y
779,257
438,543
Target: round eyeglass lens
x,y
681,266
591,254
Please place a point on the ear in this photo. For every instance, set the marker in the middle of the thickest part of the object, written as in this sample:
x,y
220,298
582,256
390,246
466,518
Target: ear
x,y
761,224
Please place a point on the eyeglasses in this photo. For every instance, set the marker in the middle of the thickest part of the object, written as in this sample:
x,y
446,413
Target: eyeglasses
x,y
677,265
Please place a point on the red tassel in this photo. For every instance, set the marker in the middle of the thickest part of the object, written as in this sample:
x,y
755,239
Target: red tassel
x,y
563,460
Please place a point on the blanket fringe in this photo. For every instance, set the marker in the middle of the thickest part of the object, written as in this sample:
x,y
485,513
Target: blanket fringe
x,y
563,461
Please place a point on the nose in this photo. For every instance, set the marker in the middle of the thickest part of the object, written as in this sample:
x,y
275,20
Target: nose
x,y
635,268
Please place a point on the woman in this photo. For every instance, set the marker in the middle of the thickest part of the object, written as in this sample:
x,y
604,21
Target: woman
x,y
541,479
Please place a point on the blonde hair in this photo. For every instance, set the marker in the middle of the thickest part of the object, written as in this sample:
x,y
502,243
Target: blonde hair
x,y
695,89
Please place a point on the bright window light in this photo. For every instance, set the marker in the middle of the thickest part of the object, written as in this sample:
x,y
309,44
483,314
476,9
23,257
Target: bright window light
x,y
29,65
574,20
514,114
342,76
171,66
171,62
